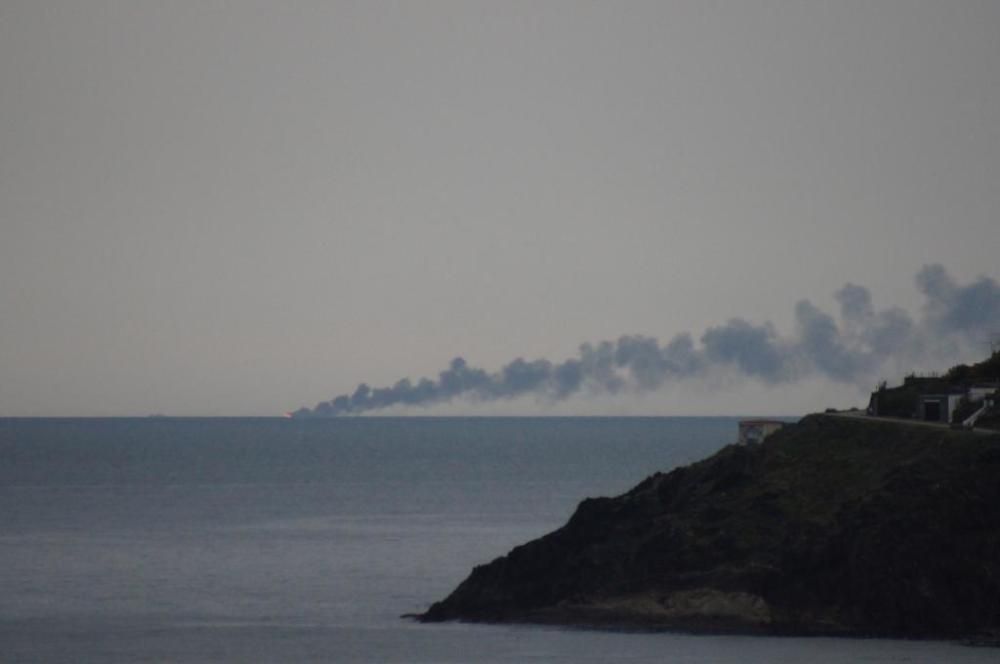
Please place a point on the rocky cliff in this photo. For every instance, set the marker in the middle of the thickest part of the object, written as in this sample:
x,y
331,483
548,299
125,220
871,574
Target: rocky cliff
x,y
831,526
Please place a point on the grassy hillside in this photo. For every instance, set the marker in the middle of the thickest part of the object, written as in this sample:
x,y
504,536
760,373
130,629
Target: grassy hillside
x,y
832,525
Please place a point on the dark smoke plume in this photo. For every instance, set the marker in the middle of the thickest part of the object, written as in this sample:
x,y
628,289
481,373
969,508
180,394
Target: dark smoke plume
x,y
851,350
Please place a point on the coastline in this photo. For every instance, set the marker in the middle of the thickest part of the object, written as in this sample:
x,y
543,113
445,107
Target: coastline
x,y
833,527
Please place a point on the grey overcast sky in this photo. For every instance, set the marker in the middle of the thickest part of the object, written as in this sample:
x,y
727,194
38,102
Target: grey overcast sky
x,y
215,208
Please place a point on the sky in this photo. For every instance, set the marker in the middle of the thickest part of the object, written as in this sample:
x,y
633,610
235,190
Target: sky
x,y
241,208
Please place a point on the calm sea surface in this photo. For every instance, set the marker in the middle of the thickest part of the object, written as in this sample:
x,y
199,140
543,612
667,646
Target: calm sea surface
x,y
196,540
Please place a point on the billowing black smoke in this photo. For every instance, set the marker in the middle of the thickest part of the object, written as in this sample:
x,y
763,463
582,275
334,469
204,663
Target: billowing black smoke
x,y
850,350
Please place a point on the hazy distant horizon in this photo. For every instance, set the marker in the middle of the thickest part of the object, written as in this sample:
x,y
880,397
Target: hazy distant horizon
x,y
244,208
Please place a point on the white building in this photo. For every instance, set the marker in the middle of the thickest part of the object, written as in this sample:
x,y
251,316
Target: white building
x,y
754,431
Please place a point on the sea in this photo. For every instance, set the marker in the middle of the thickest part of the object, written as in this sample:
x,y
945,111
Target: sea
x,y
280,540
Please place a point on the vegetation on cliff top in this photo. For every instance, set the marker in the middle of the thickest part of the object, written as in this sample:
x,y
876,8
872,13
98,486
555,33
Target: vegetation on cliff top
x,y
831,526
902,401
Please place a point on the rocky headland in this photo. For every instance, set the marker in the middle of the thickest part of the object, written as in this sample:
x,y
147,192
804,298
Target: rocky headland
x,y
832,526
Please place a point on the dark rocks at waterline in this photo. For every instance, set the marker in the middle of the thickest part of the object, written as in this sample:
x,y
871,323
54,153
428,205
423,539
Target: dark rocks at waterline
x,y
831,526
